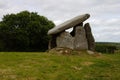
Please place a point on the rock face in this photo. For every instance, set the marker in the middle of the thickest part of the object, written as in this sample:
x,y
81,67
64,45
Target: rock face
x,y
68,24
80,42
65,40
90,38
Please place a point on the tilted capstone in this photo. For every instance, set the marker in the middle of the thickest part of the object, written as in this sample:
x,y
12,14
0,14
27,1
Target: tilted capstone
x,y
68,24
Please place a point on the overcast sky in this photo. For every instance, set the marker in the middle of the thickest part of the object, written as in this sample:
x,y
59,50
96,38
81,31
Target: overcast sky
x,y
104,20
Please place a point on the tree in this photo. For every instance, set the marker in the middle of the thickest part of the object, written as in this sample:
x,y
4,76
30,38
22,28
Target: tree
x,y
24,31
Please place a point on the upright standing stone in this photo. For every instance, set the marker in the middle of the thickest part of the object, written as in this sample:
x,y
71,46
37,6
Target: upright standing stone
x,y
65,40
80,42
52,42
90,38
73,31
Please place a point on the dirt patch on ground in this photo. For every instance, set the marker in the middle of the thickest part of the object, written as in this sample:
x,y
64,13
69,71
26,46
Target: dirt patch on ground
x,y
61,51
5,71
87,63
76,68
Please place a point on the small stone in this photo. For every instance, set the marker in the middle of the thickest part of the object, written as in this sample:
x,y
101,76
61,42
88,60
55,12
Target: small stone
x,y
90,52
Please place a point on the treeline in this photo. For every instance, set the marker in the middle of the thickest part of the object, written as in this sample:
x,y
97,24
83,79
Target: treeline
x,y
24,31
107,47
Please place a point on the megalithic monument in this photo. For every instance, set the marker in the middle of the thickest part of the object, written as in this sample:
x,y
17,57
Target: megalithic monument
x,y
80,38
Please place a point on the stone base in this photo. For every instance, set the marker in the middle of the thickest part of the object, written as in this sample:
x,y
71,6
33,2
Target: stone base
x,y
67,51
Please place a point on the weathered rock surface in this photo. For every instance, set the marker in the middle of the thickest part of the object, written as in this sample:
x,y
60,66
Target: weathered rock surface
x,y
90,38
65,40
73,31
80,42
68,24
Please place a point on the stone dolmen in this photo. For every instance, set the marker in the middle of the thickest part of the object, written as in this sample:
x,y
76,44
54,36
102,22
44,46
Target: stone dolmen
x,y
80,38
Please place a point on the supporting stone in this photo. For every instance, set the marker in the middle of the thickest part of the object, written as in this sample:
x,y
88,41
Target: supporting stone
x,y
73,31
80,42
65,40
52,42
90,38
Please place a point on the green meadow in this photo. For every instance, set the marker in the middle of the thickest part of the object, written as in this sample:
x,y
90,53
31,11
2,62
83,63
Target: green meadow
x,y
46,66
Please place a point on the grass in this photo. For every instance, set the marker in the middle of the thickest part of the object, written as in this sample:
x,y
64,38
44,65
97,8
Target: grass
x,y
44,66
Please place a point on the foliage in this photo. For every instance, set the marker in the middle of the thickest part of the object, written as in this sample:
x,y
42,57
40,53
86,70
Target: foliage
x,y
39,66
24,31
106,47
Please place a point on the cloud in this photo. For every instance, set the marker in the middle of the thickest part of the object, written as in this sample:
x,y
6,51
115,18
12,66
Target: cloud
x,y
106,30
104,18
2,4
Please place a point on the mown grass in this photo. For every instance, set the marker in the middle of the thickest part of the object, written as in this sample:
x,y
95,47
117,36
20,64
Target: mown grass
x,y
45,66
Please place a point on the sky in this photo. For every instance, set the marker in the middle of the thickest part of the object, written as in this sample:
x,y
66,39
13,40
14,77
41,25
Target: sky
x,y
104,14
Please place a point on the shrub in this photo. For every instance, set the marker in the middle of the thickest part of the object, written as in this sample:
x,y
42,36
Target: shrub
x,y
105,48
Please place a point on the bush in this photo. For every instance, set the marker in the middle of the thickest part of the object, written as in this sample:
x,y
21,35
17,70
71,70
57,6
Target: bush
x,y
104,48
24,31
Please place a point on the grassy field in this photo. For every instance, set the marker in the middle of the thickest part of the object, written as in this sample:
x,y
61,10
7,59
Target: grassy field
x,y
44,66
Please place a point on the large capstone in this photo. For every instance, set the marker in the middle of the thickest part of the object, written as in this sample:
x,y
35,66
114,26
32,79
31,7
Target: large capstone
x,y
90,38
65,40
80,41
68,24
